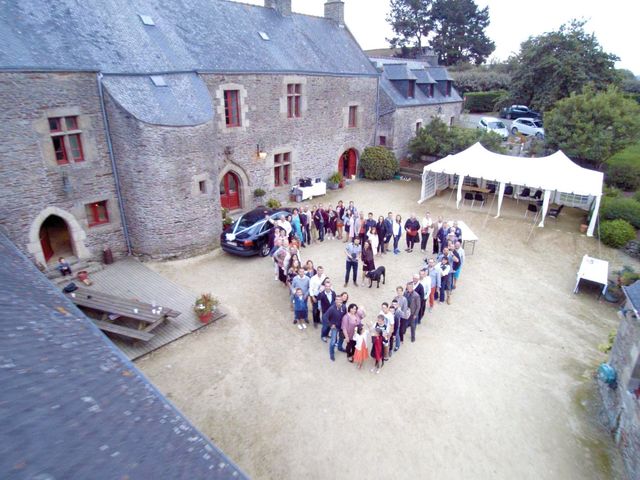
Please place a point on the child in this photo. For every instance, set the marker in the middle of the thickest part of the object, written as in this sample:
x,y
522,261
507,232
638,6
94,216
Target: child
x,y
378,340
64,267
300,309
362,351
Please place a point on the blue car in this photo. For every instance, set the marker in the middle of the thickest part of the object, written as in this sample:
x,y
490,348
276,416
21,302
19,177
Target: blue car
x,y
518,111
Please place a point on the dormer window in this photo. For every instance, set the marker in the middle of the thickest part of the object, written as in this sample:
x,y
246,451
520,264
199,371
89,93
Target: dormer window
x,y
448,87
411,89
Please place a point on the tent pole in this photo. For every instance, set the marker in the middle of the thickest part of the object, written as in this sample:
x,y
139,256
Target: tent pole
x,y
594,217
486,217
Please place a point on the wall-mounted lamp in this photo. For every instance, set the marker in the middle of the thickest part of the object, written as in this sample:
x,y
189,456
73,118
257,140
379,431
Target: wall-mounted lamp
x,y
260,153
228,151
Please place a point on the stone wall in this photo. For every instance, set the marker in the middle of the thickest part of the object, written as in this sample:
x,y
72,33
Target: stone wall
x,y
32,182
405,119
160,168
316,140
621,407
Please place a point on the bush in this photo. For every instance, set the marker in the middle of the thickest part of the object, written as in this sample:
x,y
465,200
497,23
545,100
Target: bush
x,y
636,196
624,168
478,102
475,80
439,140
378,163
273,203
621,208
616,233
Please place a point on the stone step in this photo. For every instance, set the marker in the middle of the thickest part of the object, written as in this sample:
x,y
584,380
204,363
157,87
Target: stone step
x,y
82,265
411,172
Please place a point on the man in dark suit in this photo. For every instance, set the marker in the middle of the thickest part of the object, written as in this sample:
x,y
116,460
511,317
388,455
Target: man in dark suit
x,y
333,318
413,299
326,298
419,289
388,231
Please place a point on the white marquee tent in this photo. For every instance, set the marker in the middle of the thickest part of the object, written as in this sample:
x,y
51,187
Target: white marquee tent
x,y
553,174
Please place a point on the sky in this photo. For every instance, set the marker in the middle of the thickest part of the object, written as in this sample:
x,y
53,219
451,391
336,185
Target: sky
x,y
615,23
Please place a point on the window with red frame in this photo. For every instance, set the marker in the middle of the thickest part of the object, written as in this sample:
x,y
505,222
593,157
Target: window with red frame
x,y
232,108
412,89
281,169
65,137
382,141
353,116
294,94
97,213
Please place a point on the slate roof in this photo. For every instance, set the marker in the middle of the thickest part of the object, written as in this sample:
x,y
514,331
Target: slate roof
x,y
398,71
72,406
633,294
424,73
189,35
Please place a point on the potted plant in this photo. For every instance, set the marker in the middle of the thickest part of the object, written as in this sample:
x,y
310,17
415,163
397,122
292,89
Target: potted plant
x,y
334,180
205,306
273,203
259,192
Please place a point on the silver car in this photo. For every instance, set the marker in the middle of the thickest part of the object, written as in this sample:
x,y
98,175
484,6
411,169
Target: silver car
x,y
495,125
528,126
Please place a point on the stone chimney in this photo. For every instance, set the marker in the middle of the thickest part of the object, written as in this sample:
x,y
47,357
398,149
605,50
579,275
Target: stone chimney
x,y
281,6
334,10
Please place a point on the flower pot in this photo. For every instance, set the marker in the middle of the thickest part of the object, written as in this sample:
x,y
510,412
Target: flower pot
x,y
205,317
332,186
583,228
341,184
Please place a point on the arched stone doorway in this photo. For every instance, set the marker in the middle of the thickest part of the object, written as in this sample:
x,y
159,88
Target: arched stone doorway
x,y
348,163
55,238
56,233
230,191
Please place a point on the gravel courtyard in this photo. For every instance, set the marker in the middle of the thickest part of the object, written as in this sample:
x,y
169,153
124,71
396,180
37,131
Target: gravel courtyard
x,y
498,384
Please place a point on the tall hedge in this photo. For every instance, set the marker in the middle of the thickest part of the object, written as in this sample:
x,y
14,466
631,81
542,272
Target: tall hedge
x,y
378,163
480,102
621,208
623,169
616,233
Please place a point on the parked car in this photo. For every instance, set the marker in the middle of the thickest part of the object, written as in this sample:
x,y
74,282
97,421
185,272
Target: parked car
x,y
528,126
249,234
518,111
495,125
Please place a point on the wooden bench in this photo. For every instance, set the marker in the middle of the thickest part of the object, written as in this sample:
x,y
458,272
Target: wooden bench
x,y
124,331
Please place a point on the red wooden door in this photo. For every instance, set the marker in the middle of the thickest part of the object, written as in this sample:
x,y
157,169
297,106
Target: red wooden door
x,y
230,191
347,163
47,250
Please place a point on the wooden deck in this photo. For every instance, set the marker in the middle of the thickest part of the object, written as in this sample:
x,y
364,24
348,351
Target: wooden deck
x,y
129,278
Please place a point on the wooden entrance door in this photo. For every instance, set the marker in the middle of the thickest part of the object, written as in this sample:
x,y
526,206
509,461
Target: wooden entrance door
x,y
45,242
230,191
347,163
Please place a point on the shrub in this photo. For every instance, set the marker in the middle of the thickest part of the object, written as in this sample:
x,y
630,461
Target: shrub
x,y
616,233
378,163
621,208
478,102
624,168
273,203
636,196
335,178
613,192
475,80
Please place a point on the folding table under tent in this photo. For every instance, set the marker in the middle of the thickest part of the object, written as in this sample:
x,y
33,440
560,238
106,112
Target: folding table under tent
x,y
554,173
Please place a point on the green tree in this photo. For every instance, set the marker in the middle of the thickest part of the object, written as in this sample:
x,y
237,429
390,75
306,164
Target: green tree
x,y
439,140
551,66
454,29
411,23
592,126
459,32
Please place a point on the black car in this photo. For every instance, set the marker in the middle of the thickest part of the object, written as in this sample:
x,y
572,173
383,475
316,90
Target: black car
x,y
249,234
518,111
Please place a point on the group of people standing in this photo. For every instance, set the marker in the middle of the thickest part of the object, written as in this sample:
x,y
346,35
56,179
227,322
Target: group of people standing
x,y
342,323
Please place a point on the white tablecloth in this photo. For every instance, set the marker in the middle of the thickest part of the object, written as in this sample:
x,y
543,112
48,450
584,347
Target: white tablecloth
x,y
593,269
318,188
467,235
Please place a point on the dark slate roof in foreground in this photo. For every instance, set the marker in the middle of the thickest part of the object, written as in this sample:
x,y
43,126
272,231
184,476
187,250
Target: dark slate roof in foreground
x,y
202,35
431,74
72,406
633,294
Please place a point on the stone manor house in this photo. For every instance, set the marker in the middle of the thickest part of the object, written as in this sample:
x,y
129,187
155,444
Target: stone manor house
x,y
130,124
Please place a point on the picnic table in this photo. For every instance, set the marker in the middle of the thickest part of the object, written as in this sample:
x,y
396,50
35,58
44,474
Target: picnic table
x,y
472,188
113,308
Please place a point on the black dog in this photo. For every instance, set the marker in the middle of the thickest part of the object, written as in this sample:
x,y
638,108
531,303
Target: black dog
x,y
374,276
